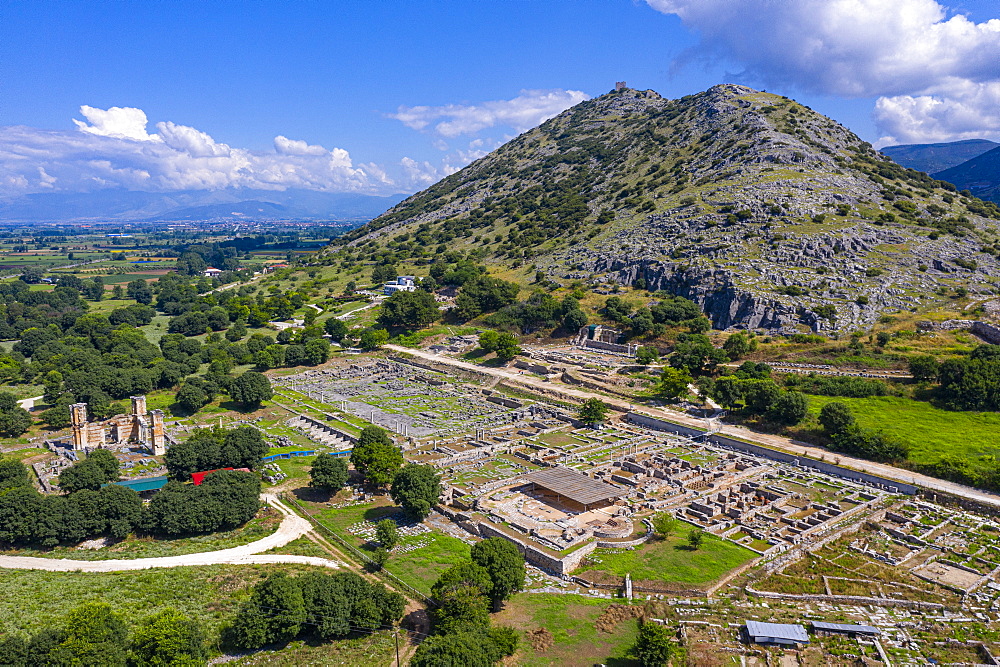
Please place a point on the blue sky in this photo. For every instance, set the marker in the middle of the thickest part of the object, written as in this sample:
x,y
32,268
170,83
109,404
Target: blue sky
x,y
357,90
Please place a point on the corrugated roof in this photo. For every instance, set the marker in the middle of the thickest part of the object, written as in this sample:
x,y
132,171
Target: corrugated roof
x,y
574,485
846,627
786,631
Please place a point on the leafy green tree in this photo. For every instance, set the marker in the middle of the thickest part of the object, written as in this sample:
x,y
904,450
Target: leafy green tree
x,y
15,422
328,473
13,474
465,574
373,339
107,462
869,444
462,609
924,367
673,382
835,416
484,294
275,613
593,411
250,389
53,383
647,354
696,354
665,524
417,488
505,566
316,352
468,649
335,328
760,395
375,457
409,310
191,397
790,408
387,533
695,538
139,290
94,630
167,638
654,647
739,345
82,475
379,558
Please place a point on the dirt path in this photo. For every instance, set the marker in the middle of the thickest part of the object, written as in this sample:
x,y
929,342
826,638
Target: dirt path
x,y
292,527
774,441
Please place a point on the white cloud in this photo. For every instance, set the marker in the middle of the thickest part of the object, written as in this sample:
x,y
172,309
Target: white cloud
x,y
113,149
117,122
934,72
521,113
964,111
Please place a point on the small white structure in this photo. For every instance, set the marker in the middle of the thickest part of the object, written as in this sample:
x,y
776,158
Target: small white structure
x,y
402,284
212,272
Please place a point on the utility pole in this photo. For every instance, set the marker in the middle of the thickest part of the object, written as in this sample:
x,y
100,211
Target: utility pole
x,y
395,636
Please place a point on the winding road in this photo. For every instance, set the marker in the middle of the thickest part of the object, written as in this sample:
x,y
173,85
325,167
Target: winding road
x,y
292,527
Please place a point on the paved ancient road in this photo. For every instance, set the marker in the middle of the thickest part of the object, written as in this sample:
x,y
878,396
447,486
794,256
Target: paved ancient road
x,y
773,441
292,527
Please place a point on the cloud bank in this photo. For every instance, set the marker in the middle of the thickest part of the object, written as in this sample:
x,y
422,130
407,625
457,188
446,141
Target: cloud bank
x,y
113,148
521,113
935,75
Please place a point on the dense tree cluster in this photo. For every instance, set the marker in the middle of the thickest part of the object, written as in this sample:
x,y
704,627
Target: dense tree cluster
x,y
755,393
326,606
223,501
462,630
409,310
214,448
504,344
328,473
973,382
484,294
94,634
99,468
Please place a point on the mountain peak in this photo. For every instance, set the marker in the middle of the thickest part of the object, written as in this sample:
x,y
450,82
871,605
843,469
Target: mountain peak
x,y
768,214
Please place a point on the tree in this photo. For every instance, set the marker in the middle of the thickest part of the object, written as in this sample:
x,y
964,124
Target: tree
x,y
375,457
835,416
417,488
82,475
167,638
250,389
462,609
373,339
191,397
593,411
387,533
673,382
695,354
328,473
653,648
695,538
468,649
484,294
107,462
665,524
647,354
924,368
336,329
739,345
13,474
504,564
274,613
139,290
15,422
790,408
465,574
409,310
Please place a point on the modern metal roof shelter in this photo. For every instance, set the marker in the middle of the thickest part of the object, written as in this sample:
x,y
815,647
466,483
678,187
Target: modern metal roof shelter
x,y
143,484
576,487
775,633
846,629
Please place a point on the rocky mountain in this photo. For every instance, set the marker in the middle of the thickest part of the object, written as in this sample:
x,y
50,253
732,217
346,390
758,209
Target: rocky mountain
x,y
932,158
769,215
229,203
981,175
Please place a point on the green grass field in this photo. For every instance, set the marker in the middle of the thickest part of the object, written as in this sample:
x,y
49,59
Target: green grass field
x,y
570,619
931,432
673,561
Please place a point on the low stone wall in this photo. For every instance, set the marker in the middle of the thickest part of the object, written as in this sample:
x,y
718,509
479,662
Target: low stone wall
x,y
773,454
427,365
850,599
538,557
987,332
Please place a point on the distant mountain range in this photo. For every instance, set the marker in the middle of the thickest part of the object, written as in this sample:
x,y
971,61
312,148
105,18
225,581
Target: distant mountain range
x,y
972,165
188,205
932,158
